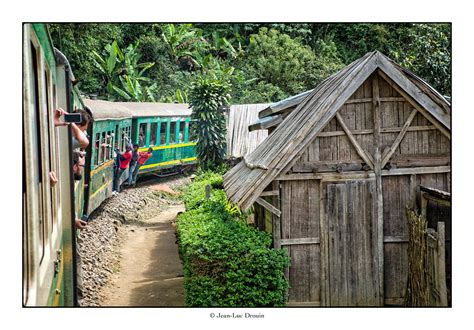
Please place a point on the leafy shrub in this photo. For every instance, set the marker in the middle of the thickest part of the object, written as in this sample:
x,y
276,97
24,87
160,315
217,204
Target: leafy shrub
x,y
226,262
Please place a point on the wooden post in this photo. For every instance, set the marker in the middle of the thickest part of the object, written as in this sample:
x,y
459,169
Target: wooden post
x,y
441,271
276,220
378,185
323,232
208,191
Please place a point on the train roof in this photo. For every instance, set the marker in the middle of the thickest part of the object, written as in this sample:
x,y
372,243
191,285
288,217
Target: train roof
x,y
103,110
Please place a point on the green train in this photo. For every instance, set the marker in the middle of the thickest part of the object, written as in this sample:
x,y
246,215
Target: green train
x,y
48,207
50,210
165,127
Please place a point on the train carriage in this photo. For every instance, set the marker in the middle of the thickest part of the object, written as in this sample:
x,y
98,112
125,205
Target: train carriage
x,y
111,123
164,127
48,217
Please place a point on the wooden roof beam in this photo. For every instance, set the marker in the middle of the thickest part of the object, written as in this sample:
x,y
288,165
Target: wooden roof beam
x,y
366,157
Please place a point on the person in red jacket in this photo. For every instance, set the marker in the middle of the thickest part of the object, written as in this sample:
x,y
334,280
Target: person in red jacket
x,y
142,158
124,161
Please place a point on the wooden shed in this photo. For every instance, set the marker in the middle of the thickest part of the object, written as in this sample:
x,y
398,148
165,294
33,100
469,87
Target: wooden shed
x,y
336,174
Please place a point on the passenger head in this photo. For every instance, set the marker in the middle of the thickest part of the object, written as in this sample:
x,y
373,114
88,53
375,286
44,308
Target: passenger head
x,y
150,150
128,148
86,119
135,147
77,165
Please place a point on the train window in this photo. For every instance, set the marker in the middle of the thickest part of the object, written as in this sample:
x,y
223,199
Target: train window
x,y
172,132
108,145
153,129
51,149
38,148
122,139
182,126
97,149
116,137
142,135
163,128
103,148
191,133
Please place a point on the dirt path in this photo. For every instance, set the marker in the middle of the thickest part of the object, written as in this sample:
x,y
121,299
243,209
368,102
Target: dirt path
x,y
149,267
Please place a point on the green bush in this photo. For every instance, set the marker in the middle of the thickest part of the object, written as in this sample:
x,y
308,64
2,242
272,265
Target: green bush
x,y
226,262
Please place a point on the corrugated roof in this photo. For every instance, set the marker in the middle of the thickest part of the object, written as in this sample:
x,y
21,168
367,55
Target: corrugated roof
x,y
245,182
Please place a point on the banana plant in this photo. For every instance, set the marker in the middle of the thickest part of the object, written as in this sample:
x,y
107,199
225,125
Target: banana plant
x,y
184,43
109,64
124,74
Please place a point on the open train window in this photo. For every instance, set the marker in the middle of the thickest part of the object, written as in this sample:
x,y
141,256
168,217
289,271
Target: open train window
x,y
103,148
38,148
163,129
51,153
182,126
108,145
172,132
142,135
153,129
191,133
98,149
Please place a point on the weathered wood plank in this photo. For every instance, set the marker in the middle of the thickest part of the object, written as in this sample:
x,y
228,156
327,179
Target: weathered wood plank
x,y
388,153
300,241
382,130
324,277
310,167
365,175
270,193
366,157
268,206
420,161
442,289
377,166
395,239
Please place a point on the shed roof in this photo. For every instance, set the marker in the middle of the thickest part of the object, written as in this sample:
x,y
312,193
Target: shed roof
x,y
102,110
245,182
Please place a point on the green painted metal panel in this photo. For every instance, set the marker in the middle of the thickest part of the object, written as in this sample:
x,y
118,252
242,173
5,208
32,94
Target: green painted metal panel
x,y
44,39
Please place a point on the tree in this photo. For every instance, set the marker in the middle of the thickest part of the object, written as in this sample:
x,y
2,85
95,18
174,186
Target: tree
x,y
124,75
208,97
183,43
426,50
135,85
286,64
107,64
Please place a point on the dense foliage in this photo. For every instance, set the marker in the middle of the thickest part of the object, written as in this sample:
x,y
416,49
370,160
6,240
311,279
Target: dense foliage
x,y
226,262
207,98
263,62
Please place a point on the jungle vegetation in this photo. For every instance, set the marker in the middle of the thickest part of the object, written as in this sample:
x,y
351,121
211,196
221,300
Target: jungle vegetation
x,y
259,62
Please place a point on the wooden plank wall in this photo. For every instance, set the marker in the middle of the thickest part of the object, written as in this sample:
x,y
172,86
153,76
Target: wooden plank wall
x,y
341,200
300,220
240,141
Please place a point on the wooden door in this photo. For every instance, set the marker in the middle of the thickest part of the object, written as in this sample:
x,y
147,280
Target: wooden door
x,y
350,265
300,236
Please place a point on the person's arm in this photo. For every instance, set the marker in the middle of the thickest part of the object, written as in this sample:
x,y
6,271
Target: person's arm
x,y
57,115
52,178
80,224
80,136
